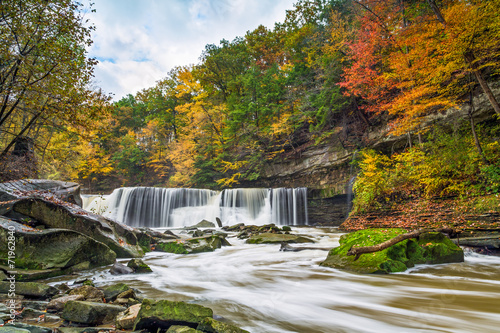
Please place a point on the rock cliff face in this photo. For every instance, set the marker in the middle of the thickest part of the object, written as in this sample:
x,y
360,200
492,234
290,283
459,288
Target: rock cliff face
x,y
326,169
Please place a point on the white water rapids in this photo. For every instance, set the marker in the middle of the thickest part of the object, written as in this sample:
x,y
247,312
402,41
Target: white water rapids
x,y
261,289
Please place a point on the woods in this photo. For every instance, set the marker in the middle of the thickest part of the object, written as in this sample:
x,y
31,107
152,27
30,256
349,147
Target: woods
x,y
333,71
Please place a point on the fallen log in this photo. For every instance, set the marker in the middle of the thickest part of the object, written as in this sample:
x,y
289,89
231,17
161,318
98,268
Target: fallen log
x,y
357,251
287,248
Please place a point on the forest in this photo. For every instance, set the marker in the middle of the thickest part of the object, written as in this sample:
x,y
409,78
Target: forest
x,y
333,71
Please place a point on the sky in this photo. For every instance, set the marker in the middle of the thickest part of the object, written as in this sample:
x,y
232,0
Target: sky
x,y
137,42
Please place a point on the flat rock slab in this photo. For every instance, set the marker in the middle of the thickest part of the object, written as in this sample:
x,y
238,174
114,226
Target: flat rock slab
x,y
212,325
30,328
30,289
90,313
270,238
126,319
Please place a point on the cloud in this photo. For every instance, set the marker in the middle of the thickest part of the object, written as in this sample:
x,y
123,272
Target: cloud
x,y
138,42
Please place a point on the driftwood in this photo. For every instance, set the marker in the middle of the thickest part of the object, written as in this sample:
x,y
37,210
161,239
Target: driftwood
x,y
287,248
357,251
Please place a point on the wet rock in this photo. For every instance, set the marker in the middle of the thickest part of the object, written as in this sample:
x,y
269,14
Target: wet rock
x,y
52,252
125,320
88,292
286,228
127,294
139,266
163,314
428,248
111,292
204,224
10,329
84,329
121,239
119,269
214,326
29,328
29,313
66,191
30,289
235,227
90,313
219,222
57,304
192,245
197,233
269,238
182,329
37,305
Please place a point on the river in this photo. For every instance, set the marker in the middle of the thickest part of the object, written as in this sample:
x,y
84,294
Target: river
x,y
261,289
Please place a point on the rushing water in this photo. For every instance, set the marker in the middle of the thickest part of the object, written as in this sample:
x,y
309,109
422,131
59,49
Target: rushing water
x,y
176,207
261,289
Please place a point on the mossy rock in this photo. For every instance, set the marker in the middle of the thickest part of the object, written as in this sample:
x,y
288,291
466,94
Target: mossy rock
x,y
139,266
429,248
269,238
192,245
182,329
163,314
111,292
90,312
214,326
30,289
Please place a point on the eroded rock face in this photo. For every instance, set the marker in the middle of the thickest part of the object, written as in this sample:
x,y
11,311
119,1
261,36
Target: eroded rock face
x,y
65,250
428,248
163,314
66,191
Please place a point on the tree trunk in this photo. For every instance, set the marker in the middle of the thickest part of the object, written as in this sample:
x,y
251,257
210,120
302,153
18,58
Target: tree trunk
x,y
357,251
470,113
436,11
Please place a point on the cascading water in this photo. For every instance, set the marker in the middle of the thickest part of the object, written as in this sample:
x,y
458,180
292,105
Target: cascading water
x,y
169,207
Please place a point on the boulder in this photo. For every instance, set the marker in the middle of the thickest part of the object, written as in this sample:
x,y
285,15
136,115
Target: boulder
x,y
66,191
29,289
235,227
428,248
111,292
139,266
182,329
121,239
219,222
270,238
37,305
192,245
204,224
90,313
119,269
57,304
213,326
52,252
88,292
30,328
10,329
125,320
163,314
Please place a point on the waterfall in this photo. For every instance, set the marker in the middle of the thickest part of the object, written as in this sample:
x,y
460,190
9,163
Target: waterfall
x,y
176,207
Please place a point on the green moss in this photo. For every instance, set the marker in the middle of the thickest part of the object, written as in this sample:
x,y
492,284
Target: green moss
x,y
172,247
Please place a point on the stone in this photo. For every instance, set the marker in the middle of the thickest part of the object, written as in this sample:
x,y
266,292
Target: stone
x,y
182,329
139,266
120,238
9,329
428,248
88,292
37,305
90,313
125,320
214,326
197,233
127,294
191,245
204,224
235,227
286,228
163,314
42,250
66,191
84,329
112,291
29,313
270,238
119,269
219,222
30,289
57,304
30,328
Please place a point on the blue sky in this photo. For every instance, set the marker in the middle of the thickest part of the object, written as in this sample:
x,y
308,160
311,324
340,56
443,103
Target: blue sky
x,y
138,41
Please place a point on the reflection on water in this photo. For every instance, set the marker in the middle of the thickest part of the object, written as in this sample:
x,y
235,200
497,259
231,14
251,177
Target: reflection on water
x,y
263,290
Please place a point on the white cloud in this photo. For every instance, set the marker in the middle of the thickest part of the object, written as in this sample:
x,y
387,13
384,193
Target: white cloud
x,y
138,42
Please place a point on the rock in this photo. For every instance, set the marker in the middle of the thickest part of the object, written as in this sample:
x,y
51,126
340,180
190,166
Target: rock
x,y
235,227
9,329
212,325
84,329
204,224
182,329
139,266
163,314
111,292
429,248
58,303
191,245
197,233
30,328
286,228
66,191
127,294
2,276
269,238
90,313
30,289
219,222
37,305
28,313
125,320
119,269
88,292
52,252
156,235
121,239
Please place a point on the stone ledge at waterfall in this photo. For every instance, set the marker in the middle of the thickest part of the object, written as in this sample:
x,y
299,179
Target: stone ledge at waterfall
x,y
428,248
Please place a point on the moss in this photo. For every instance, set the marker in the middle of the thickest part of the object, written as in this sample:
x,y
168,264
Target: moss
x,y
430,248
212,325
172,247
